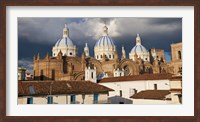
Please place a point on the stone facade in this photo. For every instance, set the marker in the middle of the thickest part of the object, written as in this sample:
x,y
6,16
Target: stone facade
x,y
175,66
73,68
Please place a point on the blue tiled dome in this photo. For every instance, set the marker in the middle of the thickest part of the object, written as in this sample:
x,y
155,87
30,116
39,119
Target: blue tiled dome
x,y
104,41
139,49
63,42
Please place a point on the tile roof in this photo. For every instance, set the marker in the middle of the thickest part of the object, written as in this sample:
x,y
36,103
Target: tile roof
x,y
175,78
176,90
151,94
28,88
136,78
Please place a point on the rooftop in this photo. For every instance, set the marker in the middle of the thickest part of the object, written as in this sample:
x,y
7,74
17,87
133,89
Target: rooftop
x,y
151,94
38,88
137,78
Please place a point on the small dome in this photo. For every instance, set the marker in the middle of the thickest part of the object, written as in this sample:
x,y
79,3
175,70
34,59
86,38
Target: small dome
x,y
105,41
63,42
139,49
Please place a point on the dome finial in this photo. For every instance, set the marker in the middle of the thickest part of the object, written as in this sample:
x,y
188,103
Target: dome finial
x,y
138,40
105,31
65,31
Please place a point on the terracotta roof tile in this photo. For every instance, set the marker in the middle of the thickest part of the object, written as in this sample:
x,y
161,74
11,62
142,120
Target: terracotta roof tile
x,y
137,78
151,94
60,87
175,78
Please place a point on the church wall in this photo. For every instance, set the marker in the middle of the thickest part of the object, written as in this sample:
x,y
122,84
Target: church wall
x,y
108,66
176,49
75,65
51,70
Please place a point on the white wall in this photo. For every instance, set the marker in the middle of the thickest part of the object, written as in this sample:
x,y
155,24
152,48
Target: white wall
x,y
128,86
65,99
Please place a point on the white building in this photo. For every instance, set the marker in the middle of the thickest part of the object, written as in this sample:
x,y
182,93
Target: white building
x,y
127,86
139,50
104,46
62,92
65,45
118,72
21,73
90,74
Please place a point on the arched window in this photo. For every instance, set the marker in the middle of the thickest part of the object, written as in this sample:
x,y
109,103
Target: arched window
x,y
97,56
179,54
126,70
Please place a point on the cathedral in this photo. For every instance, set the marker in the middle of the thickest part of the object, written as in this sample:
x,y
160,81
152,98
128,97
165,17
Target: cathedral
x,y
64,64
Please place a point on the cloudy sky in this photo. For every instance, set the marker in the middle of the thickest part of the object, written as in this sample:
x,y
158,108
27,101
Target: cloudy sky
x,y
40,34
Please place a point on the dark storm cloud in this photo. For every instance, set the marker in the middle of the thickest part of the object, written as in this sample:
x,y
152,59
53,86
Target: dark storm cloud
x,y
40,34
165,21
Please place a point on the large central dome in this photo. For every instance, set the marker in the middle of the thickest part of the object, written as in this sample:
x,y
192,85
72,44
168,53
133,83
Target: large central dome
x,y
65,45
105,40
63,42
104,46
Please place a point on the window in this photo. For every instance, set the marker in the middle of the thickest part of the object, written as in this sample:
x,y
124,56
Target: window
x,y
97,56
70,53
179,54
155,86
30,100
120,74
101,56
96,98
53,74
41,75
50,100
120,93
73,99
180,98
92,75
126,70
109,56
